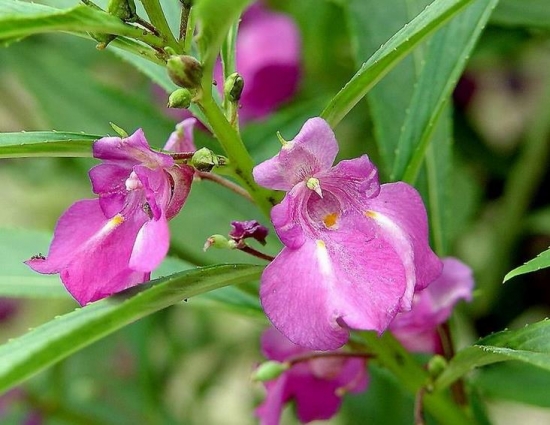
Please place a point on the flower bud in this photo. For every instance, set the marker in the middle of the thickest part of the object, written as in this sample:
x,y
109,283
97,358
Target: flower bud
x,y
233,87
219,241
180,98
269,370
185,71
204,160
123,9
436,365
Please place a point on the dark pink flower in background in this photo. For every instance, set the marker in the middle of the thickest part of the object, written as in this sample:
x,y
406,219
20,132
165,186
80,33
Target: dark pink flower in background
x,y
316,385
105,245
355,251
268,58
417,329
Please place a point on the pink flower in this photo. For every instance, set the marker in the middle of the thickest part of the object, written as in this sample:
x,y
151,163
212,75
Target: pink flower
x,y
268,58
103,246
316,385
355,251
417,329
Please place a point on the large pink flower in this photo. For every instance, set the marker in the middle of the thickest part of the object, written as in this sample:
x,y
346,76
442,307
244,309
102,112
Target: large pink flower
x,y
417,329
105,245
316,385
355,251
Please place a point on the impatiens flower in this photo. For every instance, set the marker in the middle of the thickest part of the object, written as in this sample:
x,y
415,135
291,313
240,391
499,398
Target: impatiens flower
x,y
417,329
268,58
355,251
103,246
316,385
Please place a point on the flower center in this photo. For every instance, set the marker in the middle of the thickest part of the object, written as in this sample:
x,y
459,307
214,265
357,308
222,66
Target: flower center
x,y
325,212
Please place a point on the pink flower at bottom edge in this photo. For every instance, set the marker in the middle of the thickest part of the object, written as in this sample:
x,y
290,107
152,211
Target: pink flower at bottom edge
x,y
316,386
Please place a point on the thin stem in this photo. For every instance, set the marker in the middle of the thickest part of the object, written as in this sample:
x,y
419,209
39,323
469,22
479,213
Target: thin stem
x,y
184,20
391,354
255,253
322,355
457,388
146,25
228,184
158,20
233,146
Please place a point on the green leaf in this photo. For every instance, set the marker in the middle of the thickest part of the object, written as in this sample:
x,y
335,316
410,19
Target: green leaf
x,y
501,381
446,56
529,345
45,345
371,24
18,280
215,18
21,19
524,13
389,55
46,143
541,261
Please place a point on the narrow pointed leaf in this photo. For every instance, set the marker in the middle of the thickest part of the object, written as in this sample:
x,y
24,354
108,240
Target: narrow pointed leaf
x,y
46,143
446,58
529,345
21,19
389,55
45,345
541,261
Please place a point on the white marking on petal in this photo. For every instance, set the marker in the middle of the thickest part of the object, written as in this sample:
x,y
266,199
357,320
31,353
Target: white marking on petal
x,y
324,260
403,247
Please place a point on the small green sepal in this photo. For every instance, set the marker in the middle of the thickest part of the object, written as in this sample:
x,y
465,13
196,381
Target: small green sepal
x,y
204,160
220,242
233,87
436,365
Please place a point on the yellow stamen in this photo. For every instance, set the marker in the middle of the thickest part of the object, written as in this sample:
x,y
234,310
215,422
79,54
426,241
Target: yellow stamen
x,y
315,185
320,243
330,220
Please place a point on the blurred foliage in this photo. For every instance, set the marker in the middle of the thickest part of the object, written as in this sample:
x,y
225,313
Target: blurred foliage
x,y
187,365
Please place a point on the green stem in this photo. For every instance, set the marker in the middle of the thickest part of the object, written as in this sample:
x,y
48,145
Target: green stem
x,y
231,142
523,180
156,15
391,354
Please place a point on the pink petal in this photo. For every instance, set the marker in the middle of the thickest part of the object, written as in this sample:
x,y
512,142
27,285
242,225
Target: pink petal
x,y
401,217
182,140
312,151
311,294
181,177
151,246
91,252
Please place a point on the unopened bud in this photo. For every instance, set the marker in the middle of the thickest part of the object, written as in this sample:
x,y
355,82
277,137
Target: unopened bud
x,y
204,160
436,365
269,370
219,241
180,98
233,87
185,71
123,9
